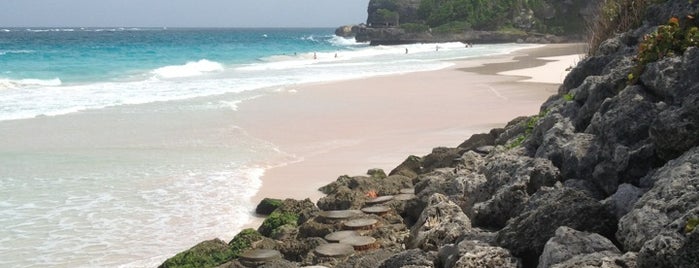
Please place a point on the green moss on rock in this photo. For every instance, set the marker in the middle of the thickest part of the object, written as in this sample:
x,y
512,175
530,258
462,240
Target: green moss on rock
x,y
267,206
209,253
243,241
277,219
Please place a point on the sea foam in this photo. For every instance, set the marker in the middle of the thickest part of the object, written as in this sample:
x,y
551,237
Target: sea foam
x,y
189,69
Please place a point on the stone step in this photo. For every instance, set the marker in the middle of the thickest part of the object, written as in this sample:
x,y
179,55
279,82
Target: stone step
x,y
335,237
380,200
404,197
339,214
361,243
378,210
407,191
361,224
334,250
257,257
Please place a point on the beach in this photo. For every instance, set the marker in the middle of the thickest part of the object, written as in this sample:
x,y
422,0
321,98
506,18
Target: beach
x,y
348,127
133,184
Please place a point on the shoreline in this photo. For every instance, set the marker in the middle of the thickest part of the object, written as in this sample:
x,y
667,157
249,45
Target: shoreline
x,y
348,127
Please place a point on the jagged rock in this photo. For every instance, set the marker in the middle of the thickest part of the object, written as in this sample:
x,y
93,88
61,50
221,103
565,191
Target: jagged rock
x,y
351,192
346,31
688,255
267,205
476,254
673,194
569,243
655,224
676,129
640,225
208,253
622,125
376,173
305,209
673,78
604,259
511,178
440,157
343,198
410,167
295,250
441,222
621,202
526,234
415,258
477,140
370,259
660,250
513,129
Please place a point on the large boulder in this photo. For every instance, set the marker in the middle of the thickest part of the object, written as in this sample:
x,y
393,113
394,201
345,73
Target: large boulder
x,y
569,243
209,253
526,235
476,254
414,258
441,222
511,179
656,227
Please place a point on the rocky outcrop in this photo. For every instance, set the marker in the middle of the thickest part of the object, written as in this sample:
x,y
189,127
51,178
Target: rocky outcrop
x,y
398,36
385,17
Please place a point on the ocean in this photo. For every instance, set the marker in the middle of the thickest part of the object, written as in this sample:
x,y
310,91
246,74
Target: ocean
x,y
109,155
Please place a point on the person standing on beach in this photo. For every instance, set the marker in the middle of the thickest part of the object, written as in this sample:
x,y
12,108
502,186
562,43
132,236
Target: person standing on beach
x,y
406,50
315,57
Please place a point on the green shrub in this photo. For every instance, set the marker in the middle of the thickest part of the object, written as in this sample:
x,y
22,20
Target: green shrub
x,y
615,16
243,241
277,219
414,27
667,41
452,27
568,97
210,253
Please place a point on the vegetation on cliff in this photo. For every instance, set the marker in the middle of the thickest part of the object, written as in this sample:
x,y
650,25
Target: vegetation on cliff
x,y
544,16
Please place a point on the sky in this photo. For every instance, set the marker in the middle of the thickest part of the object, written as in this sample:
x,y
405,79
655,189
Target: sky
x,y
181,13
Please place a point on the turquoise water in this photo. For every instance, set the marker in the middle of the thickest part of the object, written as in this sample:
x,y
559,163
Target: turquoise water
x,y
120,146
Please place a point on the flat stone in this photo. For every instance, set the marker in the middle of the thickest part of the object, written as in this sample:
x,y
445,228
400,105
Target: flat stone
x,y
261,255
360,242
407,191
404,197
361,224
338,214
379,210
339,235
380,199
334,250
484,149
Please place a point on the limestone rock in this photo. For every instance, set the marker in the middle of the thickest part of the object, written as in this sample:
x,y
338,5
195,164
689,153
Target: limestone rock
x,y
441,222
674,193
410,258
568,243
474,254
526,235
624,199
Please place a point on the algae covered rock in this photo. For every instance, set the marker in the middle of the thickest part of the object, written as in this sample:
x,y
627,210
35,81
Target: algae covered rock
x,y
210,253
267,205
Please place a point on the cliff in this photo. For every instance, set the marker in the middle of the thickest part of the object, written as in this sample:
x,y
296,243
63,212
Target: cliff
x,y
407,21
606,175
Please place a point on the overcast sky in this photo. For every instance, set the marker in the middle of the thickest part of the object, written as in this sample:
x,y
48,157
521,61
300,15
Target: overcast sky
x,y
181,13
